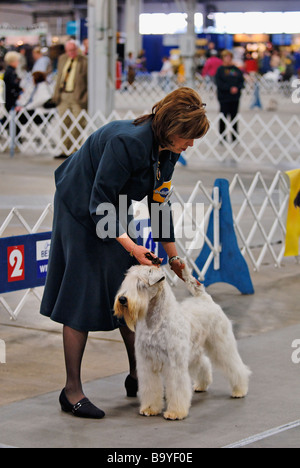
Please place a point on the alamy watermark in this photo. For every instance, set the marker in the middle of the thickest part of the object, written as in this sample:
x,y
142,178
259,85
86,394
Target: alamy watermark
x,y
188,218
2,352
296,354
296,92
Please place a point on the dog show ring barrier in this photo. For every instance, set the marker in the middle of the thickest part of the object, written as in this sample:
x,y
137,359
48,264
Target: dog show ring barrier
x,y
241,226
261,139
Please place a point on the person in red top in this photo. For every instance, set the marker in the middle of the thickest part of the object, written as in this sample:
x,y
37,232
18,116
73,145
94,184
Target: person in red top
x,y
251,65
211,65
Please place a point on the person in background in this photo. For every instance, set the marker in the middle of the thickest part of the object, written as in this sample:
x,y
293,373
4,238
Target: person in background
x,y
230,82
22,68
250,64
211,66
3,52
130,66
166,74
85,46
42,62
13,89
265,62
211,49
287,61
40,95
71,91
141,62
12,80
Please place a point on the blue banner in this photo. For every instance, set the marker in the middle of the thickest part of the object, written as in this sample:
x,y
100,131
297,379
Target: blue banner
x,y
24,261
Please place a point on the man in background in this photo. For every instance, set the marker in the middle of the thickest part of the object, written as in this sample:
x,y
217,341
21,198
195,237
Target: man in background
x,y
71,94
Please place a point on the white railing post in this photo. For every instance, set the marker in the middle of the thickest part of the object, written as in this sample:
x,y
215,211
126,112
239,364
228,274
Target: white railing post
x,y
12,131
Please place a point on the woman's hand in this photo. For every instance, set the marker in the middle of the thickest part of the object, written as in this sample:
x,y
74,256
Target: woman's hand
x,y
177,266
139,252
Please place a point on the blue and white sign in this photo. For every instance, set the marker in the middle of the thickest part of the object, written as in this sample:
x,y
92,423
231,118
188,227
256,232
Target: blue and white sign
x,y
24,261
42,257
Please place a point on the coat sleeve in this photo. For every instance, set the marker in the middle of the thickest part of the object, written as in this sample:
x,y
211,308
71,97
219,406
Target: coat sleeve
x,y
83,83
60,66
120,158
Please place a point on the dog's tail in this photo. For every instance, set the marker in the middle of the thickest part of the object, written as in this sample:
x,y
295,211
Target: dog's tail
x,y
195,288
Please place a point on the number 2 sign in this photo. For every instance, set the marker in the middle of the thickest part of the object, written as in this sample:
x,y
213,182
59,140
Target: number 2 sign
x,y
15,263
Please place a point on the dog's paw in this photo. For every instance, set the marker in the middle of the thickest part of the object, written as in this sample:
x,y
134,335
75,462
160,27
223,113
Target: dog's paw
x,y
174,415
149,411
200,388
239,393
202,385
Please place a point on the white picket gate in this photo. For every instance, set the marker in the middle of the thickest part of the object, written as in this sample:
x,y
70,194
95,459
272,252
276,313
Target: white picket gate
x,y
261,137
258,140
259,216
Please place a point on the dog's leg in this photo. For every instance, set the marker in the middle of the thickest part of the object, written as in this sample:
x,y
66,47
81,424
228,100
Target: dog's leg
x,y
222,349
201,372
150,390
178,393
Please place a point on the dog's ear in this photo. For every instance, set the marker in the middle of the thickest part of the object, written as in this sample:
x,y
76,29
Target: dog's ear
x,y
155,276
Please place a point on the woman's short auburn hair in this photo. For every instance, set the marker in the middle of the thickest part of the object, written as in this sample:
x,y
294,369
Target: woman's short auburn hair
x,y
181,113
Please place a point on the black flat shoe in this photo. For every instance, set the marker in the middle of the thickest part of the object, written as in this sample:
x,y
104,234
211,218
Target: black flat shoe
x,y
83,409
131,386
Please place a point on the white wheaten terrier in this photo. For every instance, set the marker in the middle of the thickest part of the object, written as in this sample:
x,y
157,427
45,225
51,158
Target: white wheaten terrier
x,y
176,342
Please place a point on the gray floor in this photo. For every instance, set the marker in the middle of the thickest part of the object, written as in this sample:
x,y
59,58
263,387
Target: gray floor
x,y
215,419
266,324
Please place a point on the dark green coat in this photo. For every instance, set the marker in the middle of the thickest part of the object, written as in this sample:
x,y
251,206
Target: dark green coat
x,y
87,264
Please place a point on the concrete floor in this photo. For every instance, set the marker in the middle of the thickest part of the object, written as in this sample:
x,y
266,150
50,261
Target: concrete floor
x,y
266,324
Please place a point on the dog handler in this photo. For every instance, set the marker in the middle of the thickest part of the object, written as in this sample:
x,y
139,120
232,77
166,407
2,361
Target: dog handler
x,y
92,247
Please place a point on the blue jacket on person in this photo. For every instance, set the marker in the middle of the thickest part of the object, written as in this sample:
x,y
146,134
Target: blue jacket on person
x,y
118,159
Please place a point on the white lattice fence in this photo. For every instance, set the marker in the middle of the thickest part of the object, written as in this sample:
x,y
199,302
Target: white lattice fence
x,y
148,89
258,139
260,212
259,216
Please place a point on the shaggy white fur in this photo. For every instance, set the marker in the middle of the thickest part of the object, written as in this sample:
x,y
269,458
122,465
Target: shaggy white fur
x,y
176,342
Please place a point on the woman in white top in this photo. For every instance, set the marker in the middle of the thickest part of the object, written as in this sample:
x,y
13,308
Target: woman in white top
x,y
41,93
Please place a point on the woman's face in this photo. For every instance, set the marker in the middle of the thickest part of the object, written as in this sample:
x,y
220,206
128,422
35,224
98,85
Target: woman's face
x,y
178,144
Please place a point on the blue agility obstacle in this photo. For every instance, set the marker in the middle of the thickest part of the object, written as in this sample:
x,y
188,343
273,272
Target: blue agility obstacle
x,y
233,267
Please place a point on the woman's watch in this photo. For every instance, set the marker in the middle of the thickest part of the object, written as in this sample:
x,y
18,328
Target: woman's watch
x,y
171,260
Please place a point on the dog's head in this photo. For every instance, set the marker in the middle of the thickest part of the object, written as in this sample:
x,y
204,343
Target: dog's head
x,y
141,284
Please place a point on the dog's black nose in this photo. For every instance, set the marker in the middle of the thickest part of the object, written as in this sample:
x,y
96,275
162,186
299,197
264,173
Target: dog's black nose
x,y
123,300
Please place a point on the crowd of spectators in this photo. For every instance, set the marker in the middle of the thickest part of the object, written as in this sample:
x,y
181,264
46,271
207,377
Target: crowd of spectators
x,y
57,78
65,67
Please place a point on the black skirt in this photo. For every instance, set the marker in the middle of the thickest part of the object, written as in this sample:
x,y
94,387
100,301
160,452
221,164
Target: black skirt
x,y
84,275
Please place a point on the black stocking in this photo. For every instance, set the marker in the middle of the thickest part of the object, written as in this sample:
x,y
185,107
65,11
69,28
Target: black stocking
x,y
74,346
